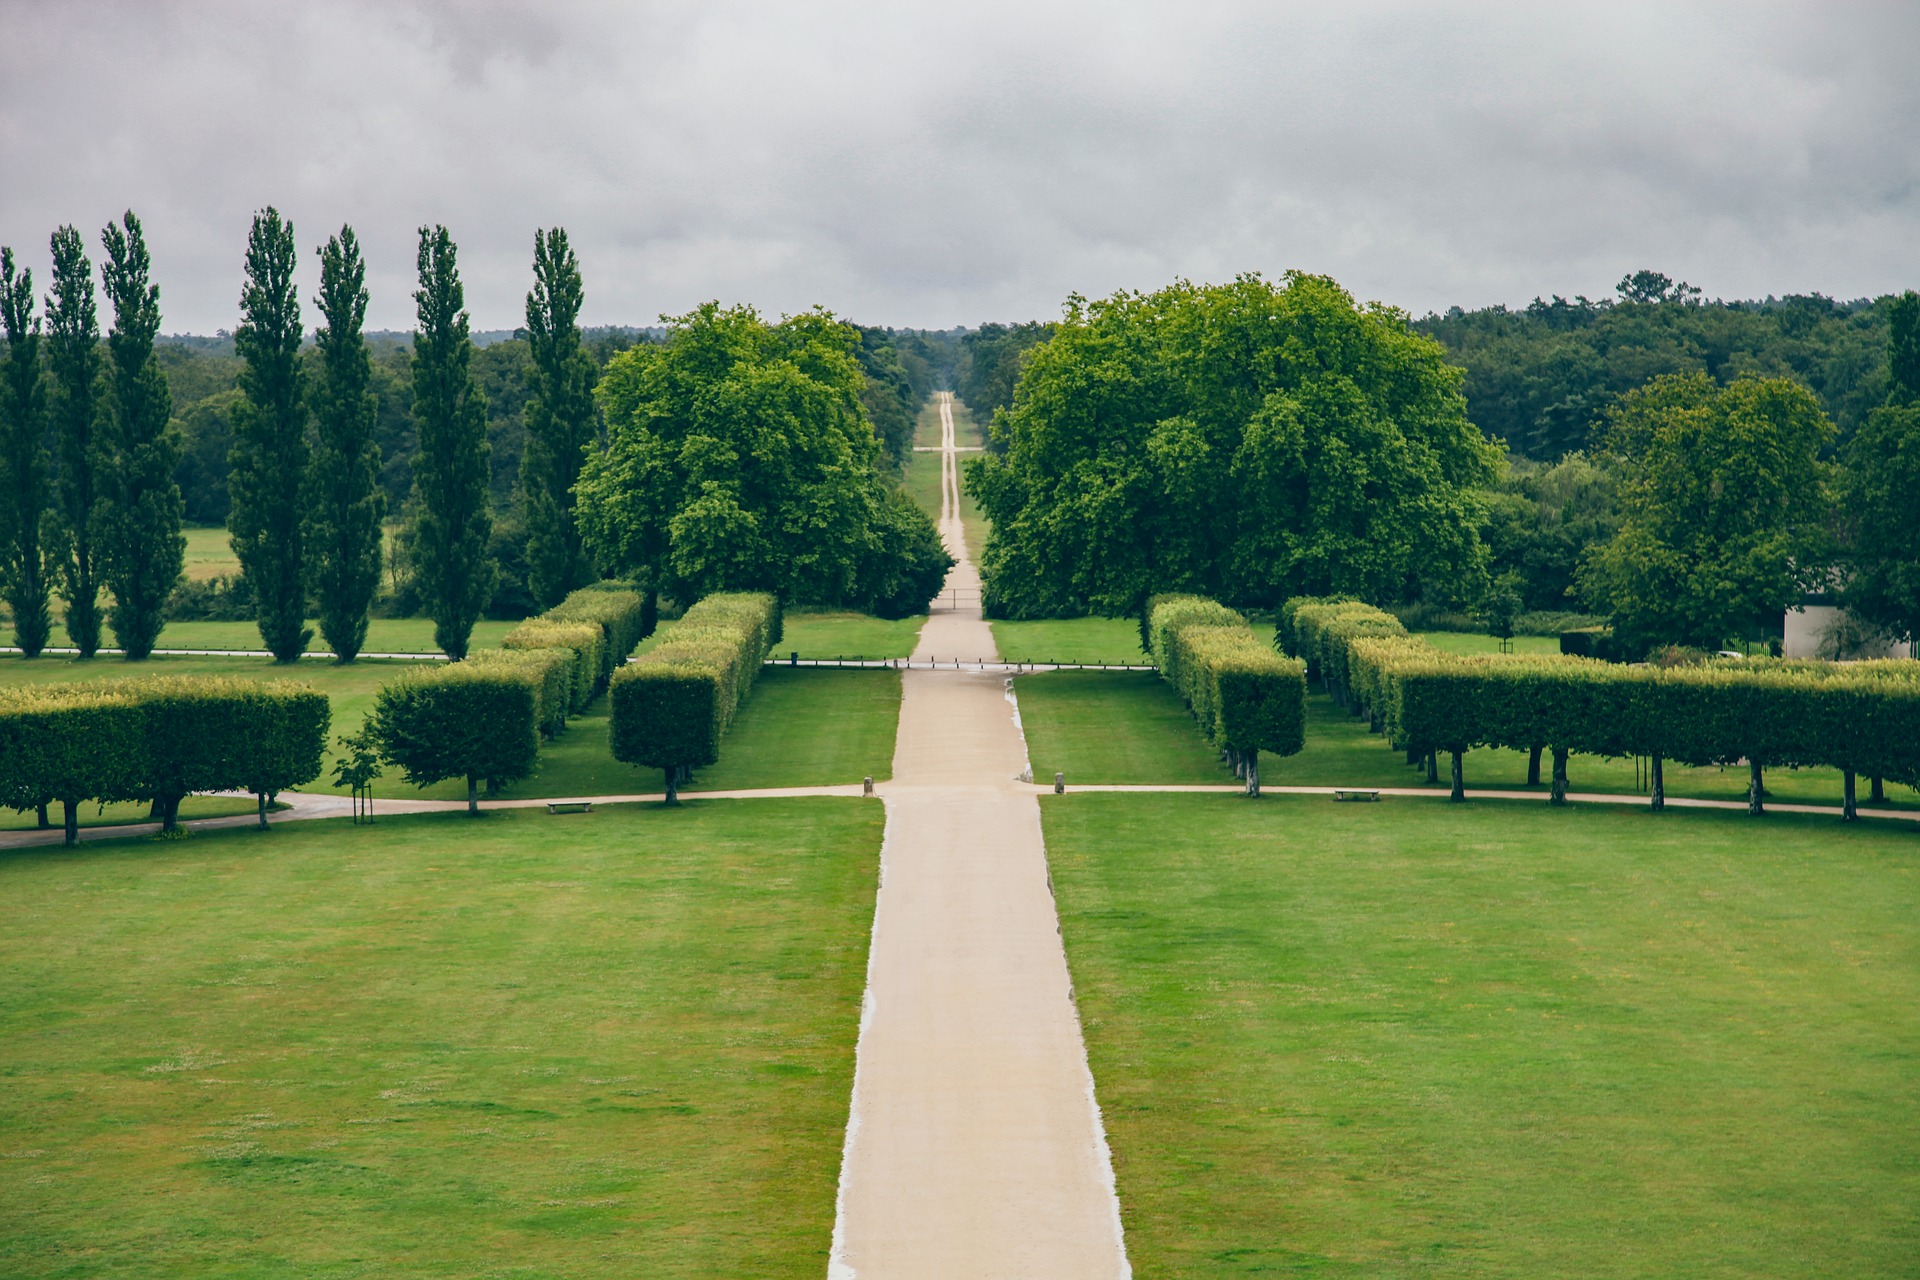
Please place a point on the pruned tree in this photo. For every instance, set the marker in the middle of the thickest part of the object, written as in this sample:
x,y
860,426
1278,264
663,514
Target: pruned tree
x,y
144,548
559,421
346,502
25,563
269,458
73,363
450,471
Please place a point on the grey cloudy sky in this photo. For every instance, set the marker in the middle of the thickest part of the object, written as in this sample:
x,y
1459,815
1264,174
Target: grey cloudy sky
x,y
912,164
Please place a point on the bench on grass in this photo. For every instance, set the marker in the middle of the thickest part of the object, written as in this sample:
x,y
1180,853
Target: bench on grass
x,y
1355,793
569,806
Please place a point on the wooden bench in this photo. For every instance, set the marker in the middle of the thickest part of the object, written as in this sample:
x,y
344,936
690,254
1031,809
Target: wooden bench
x,y
569,806
1355,793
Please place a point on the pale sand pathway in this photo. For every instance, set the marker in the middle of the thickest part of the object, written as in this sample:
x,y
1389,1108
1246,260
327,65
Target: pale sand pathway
x,y
974,1148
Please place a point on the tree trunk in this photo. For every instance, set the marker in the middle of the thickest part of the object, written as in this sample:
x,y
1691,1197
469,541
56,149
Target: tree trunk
x,y
1848,812
1376,723
1877,790
1559,795
473,796
673,785
170,816
44,824
1253,773
1755,788
1533,766
1659,786
261,796
1459,777
1433,766
70,812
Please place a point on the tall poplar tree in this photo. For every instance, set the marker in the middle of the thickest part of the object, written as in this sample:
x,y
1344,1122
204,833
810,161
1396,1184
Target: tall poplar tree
x,y
24,561
450,465
345,502
269,456
145,550
559,420
73,361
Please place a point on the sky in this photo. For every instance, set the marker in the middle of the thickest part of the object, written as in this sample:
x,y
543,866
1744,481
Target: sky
x,y
924,165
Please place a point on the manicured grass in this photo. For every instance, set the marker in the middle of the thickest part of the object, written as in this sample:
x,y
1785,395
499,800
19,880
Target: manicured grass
x,y
807,727
616,1044
210,554
1092,640
1468,642
1497,1040
834,634
384,635
1112,726
1098,726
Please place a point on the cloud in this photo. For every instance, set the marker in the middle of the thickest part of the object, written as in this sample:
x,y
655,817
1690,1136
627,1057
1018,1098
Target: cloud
x,y
920,165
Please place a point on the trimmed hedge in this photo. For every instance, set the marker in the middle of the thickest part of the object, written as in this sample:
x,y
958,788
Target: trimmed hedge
x,y
463,719
157,739
1247,698
585,643
619,612
1856,717
556,674
672,706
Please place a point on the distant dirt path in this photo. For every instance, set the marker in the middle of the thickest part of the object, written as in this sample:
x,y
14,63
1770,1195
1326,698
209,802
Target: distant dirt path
x,y
974,1149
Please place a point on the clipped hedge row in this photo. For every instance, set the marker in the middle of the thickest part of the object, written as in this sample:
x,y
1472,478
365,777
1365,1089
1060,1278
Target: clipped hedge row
x,y
1860,718
157,739
478,719
1247,698
1321,630
554,673
673,705
619,612
584,646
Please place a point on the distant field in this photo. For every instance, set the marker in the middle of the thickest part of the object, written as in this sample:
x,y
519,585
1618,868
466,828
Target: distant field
x,y
1468,642
1496,1040
209,554
606,1045
922,478
1091,640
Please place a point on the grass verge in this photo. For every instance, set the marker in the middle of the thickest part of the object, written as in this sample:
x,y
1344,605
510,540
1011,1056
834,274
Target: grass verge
x,y
613,1044
838,634
1497,1040
1114,641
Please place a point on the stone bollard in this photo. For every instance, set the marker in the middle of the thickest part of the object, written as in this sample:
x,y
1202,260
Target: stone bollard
x,y
867,786
1059,784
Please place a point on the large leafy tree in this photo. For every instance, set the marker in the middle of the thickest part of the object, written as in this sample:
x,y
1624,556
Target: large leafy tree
x,y
25,562
740,457
269,458
1724,512
1881,489
559,421
73,361
1247,441
145,550
346,502
456,576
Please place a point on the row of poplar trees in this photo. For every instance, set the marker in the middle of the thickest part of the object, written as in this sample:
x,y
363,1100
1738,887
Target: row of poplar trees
x,y
307,508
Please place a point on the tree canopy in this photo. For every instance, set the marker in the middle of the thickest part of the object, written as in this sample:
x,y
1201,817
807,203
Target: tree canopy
x,y
740,458
1881,490
1724,508
1247,442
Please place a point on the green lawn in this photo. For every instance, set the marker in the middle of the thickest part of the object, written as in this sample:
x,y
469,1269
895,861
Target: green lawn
x,y
1109,726
838,634
801,727
1092,640
1468,642
616,1044
93,814
210,554
1497,1040
384,635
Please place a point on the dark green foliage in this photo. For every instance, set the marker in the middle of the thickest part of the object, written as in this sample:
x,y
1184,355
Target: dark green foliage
x,y
157,739
345,501
450,471
672,706
559,421
26,561
1543,519
888,395
1724,509
1880,491
554,671
619,612
992,359
143,548
909,564
1246,697
1246,442
269,461
1543,378
461,720
739,457
74,403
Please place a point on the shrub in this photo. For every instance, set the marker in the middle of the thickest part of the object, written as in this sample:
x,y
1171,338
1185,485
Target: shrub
x,y
584,642
619,612
556,675
1247,698
672,706
461,719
